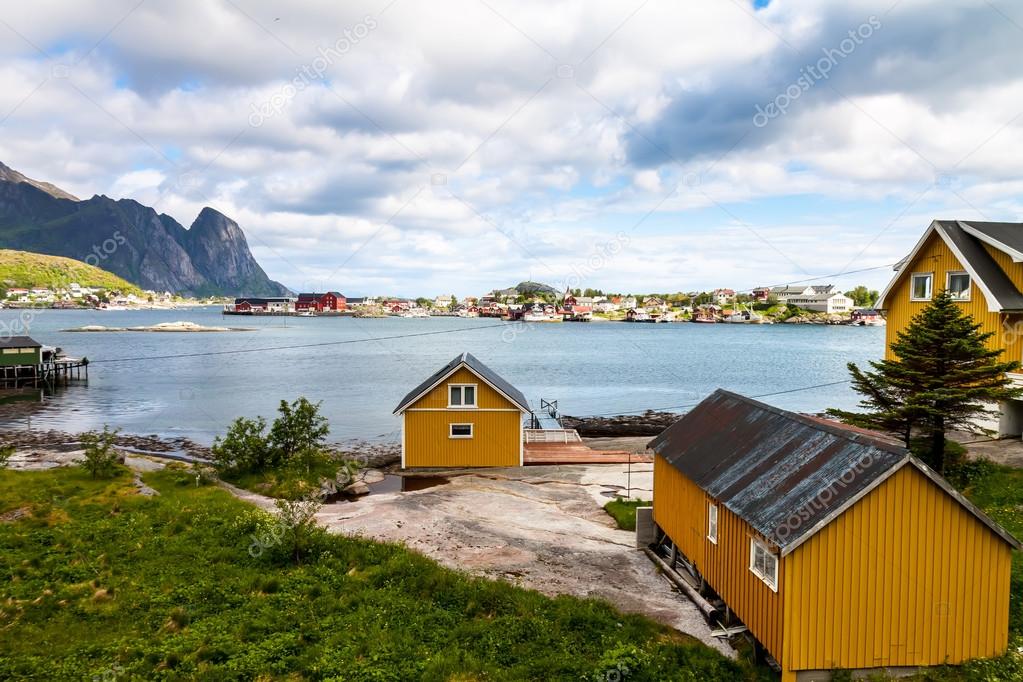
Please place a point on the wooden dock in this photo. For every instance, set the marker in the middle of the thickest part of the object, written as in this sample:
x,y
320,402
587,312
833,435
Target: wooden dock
x,y
536,454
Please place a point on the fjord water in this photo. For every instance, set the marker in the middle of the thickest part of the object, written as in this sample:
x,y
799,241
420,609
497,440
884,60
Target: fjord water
x,y
589,368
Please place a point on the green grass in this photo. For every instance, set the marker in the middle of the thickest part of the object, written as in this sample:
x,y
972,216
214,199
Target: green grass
x,y
624,511
24,269
99,581
288,483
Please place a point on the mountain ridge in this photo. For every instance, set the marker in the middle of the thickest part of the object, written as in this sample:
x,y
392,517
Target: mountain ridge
x,y
131,240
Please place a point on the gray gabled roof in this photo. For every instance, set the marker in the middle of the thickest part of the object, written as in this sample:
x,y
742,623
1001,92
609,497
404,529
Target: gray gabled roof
x,y
786,475
18,342
473,364
966,240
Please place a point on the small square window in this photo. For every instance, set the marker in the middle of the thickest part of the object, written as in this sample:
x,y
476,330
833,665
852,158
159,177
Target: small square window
x,y
922,286
763,563
462,395
460,431
958,285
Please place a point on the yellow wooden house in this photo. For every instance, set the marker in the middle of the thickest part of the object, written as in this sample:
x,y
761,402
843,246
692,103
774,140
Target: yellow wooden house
x,y
981,264
832,545
464,415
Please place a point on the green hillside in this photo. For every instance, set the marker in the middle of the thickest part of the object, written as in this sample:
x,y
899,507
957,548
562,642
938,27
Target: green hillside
x,y
24,269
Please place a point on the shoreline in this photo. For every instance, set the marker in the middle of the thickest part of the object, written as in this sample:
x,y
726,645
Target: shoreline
x,y
56,445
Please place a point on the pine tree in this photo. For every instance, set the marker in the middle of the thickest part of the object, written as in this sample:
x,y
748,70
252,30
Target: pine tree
x,y
943,377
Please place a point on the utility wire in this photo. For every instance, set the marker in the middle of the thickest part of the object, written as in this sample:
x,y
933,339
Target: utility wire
x,y
296,346
690,405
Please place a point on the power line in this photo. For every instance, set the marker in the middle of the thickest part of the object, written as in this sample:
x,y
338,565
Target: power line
x,y
690,405
296,346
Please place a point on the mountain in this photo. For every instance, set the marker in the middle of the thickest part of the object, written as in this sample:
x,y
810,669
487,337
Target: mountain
x,y
23,269
131,240
10,175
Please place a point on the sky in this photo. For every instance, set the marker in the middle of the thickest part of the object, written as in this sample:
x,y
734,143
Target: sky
x,y
406,148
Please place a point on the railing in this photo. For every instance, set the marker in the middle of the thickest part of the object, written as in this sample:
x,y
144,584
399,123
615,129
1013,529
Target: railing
x,y
552,436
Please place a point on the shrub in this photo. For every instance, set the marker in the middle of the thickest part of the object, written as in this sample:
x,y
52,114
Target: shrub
x,y
295,438
296,526
5,454
101,459
243,448
299,430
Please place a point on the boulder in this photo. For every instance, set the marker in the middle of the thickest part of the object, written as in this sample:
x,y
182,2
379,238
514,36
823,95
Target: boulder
x,y
356,489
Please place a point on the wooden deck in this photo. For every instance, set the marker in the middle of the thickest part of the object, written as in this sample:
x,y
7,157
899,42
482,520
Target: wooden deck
x,y
577,453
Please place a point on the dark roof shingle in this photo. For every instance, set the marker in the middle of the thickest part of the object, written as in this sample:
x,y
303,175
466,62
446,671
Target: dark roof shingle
x,y
477,367
18,342
785,474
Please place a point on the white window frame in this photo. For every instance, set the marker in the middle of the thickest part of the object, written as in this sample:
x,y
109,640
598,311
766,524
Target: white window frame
x,y
912,286
451,431
462,387
769,579
712,522
948,284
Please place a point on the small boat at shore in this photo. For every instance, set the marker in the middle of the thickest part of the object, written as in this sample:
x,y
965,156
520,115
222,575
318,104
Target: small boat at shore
x,y
746,315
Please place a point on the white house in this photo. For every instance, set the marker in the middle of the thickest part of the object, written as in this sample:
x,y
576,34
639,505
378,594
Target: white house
x,y
442,301
830,303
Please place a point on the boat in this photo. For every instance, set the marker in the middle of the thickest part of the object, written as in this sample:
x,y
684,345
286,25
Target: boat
x,y
307,313
746,316
415,312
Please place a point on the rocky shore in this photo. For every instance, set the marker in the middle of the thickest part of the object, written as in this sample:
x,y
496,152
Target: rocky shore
x,y
649,423
366,454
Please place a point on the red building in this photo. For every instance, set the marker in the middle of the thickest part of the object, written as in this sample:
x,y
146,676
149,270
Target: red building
x,y
331,301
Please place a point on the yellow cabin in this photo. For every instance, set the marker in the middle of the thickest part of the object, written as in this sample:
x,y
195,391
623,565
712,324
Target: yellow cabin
x,y
464,415
832,545
981,264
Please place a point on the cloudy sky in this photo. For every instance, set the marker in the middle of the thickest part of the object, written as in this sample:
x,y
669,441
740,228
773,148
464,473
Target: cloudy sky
x,y
451,147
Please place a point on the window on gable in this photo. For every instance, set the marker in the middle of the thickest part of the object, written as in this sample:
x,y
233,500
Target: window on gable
x,y
958,285
922,286
462,395
763,563
712,523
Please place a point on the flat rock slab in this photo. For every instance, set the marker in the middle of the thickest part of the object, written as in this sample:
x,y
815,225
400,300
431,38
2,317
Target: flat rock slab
x,y
538,527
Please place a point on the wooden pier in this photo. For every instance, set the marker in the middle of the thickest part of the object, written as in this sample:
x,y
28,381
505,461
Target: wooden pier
x,y
26,362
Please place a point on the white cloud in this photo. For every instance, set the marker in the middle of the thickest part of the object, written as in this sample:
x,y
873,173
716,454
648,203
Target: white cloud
x,y
552,126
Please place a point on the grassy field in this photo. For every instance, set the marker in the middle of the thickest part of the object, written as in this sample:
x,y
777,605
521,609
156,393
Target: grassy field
x,y
24,269
624,512
97,582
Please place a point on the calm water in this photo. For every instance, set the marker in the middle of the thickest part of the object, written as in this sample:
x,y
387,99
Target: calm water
x,y
589,368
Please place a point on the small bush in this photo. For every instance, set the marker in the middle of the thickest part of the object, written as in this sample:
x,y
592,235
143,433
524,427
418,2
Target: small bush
x,y
101,459
5,454
243,448
964,472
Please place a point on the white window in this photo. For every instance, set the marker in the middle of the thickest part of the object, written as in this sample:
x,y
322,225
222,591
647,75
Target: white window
x,y
462,395
922,286
460,431
763,563
712,523
958,284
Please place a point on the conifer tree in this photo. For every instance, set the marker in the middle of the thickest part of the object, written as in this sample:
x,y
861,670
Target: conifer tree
x,y
943,376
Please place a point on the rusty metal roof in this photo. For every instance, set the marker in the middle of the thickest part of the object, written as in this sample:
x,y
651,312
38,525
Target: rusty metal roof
x,y
785,474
